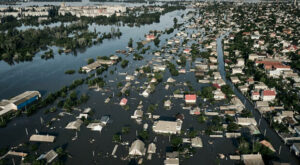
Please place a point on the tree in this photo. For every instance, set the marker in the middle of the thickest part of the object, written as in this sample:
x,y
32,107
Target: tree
x,y
156,41
90,60
175,21
232,127
116,138
130,43
125,130
176,141
144,135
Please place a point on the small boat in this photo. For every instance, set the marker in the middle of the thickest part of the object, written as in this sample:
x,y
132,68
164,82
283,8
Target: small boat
x,y
210,142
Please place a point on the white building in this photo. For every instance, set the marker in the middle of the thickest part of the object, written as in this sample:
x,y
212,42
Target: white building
x,y
246,121
255,96
170,127
240,62
268,95
137,148
237,71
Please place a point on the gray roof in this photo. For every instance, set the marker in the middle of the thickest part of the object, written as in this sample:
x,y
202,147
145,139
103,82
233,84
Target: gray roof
x,y
50,156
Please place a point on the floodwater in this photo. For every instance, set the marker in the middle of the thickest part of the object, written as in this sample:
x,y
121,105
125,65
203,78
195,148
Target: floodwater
x,y
48,76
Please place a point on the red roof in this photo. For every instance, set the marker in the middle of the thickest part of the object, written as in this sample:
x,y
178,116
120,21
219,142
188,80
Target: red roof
x,y
124,101
190,97
267,66
250,80
217,86
268,62
227,61
150,36
269,93
255,93
281,66
246,33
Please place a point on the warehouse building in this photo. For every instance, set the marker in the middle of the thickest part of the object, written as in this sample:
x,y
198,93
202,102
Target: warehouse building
x,y
18,102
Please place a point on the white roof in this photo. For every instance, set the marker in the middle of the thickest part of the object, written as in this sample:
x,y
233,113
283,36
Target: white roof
x,y
252,159
95,127
167,126
152,148
197,142
246,121
74,124
137,148
42,138
171,161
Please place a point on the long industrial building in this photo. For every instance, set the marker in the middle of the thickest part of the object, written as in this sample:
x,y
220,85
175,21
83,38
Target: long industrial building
x,y
18,102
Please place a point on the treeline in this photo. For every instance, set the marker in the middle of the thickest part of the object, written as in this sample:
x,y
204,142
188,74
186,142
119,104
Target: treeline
x,y
16,46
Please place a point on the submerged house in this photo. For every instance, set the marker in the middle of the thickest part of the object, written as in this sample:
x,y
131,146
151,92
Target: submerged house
x,y
151,148
137,148
49,156
171,127
252,159
197,142
172,158
74,124
123,102
95,127
190,99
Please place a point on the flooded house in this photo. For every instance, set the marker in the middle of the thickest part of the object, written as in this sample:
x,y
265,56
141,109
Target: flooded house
x,y
137,114
252,159
190,99
123,102
42,138
95,126
169,127
151,148
196,142
74,124
104,120
49,156
137,148
172,158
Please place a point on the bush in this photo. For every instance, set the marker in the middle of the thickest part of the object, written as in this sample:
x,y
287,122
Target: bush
x,y
124,63
70,72
90,60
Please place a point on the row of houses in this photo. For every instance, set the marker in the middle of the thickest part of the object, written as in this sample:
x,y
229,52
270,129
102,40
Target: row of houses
x,y
91,11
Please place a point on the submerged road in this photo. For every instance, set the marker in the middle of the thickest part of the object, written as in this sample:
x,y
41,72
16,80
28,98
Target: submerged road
x,y
282,150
